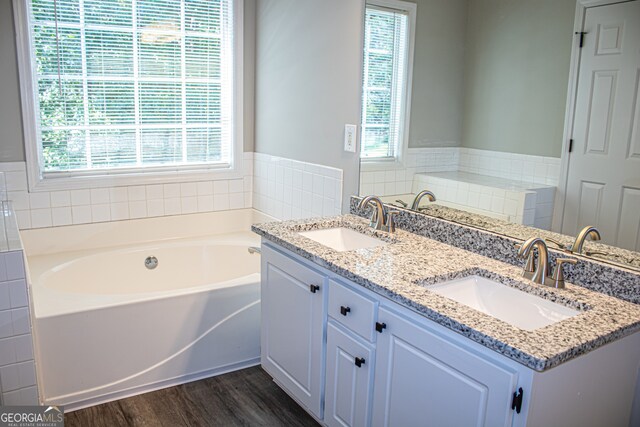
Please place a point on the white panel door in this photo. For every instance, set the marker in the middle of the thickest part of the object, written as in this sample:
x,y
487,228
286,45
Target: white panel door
x,y
292,327
349,368
422,379
604,166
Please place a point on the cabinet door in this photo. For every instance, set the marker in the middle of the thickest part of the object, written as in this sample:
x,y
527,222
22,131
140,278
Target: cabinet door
x,y
292,327
422,379
349,368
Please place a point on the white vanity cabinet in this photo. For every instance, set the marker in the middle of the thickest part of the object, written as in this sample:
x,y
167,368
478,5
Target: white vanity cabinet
x,y
349,379
292,331
352,357
422,378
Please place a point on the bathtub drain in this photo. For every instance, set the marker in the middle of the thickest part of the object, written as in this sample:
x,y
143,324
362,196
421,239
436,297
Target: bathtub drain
x,y
151,262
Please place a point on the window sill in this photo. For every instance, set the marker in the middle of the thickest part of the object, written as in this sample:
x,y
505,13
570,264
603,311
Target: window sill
x,y
120,179
380,164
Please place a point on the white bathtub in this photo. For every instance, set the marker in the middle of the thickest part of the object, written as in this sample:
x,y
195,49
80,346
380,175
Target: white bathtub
x,y
107,327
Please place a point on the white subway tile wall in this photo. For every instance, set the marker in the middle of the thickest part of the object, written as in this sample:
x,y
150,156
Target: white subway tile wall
x,y
289,189
17,365
544,205
518,167
9,233
57,208
530,205
286,189
389,178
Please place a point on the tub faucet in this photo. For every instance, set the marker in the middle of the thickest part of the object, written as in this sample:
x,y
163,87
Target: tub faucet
x,y
588,231
380,218
419,196
541,271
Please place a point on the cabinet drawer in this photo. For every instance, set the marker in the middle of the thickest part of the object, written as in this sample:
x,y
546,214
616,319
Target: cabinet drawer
x,y
352,309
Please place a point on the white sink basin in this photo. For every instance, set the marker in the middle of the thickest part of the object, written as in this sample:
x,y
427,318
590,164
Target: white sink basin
x,y
342,239
518,308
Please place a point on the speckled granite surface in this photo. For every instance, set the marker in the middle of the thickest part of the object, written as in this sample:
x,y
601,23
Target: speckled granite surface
x,y
590,273
403,270
599,251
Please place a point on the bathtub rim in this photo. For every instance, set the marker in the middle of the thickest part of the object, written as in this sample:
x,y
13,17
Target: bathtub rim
x,y
48,302
51,240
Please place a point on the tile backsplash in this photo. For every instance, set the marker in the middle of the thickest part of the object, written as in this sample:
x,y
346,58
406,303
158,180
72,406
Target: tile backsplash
x,y
17,364
57,208
513,201
290,189
389,178
280,187
517,167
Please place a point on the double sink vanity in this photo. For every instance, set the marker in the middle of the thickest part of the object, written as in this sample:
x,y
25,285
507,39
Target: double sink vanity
x,y
390,328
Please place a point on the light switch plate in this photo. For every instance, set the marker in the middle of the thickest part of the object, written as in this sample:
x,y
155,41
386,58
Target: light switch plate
x,y
350,138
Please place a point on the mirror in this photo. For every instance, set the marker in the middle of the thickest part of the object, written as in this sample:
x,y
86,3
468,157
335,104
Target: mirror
x,y
476,115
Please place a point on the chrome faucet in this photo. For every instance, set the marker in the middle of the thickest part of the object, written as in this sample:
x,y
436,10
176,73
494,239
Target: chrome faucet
x,y
541,271
588,231
380,219
419,196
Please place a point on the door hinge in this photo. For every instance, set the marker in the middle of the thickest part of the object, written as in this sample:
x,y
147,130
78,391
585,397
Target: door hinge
x,y
582,33
570,145
516,403
380,326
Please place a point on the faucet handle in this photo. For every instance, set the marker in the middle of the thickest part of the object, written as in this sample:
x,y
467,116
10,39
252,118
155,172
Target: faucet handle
x,y
558,274
391,222
558,244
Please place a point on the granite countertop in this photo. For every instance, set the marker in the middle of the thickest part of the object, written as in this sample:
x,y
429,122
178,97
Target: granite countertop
x,y
403,270
595,250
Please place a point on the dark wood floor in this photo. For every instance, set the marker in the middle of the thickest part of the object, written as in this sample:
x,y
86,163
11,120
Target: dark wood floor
x,y
243,398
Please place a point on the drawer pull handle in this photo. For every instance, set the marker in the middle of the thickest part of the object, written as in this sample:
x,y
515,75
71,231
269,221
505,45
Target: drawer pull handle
x,y
344,310
314,288
359,361
380,326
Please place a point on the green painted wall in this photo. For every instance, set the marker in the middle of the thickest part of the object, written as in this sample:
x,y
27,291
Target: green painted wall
x,y
11,140
516,75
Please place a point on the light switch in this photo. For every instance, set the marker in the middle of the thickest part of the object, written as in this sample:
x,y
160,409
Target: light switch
x,y
350,138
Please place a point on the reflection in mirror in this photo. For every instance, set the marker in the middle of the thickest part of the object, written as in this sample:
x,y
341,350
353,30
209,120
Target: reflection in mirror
x,y
591,248
481,120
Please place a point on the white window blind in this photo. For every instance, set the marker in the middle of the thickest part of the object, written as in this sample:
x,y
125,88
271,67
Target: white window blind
x,y
384,81
132,84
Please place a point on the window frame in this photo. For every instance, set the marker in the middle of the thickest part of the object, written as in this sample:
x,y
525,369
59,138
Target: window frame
x,y
372,163
121,176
